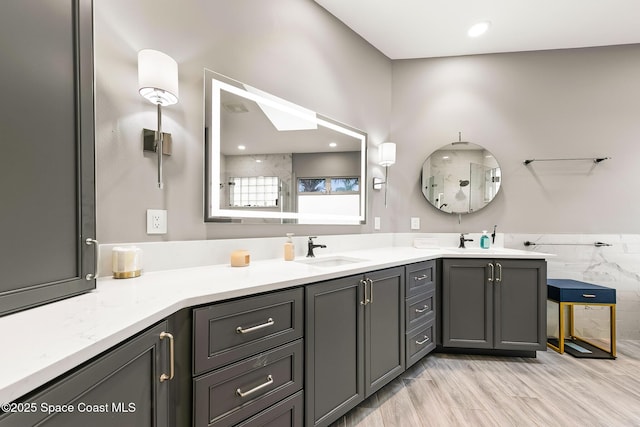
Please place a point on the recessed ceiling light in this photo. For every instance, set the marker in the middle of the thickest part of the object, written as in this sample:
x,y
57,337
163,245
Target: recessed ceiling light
x,y
241,147
258,161
333,144
478,29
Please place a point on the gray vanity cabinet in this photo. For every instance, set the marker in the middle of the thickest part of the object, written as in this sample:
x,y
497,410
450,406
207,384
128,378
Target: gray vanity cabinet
x,y
354,341
384,322
119,388
249,361
494,304
47,184
420,322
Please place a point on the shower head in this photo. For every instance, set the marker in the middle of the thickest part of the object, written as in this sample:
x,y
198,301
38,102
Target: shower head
x,y
459,141
464,182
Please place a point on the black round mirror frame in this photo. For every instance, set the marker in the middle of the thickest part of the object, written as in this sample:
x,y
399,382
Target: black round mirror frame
x,y
460,178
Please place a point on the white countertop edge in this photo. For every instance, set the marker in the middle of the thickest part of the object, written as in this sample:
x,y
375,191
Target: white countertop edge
x,y
111,311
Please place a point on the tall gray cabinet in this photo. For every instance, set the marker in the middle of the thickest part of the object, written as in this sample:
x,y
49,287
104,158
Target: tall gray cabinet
x,y
354,338
495,304
47,207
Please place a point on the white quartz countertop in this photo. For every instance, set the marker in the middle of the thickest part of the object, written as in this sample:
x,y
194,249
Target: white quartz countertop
x,y
42,343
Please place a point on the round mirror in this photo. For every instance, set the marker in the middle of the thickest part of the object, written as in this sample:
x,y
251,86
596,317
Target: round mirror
x,y
460,178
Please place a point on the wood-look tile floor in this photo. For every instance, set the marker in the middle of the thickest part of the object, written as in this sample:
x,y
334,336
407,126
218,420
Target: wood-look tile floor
x,y
549,390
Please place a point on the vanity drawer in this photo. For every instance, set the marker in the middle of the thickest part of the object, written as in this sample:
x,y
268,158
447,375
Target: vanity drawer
x,y
420,309
236,392
288,413
420,278
420,342
230,331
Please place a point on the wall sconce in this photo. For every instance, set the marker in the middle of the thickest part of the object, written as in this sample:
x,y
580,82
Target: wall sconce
x,y
158,83
387,157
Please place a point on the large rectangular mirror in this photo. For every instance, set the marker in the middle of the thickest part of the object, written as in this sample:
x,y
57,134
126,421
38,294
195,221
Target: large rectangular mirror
x,y
270,160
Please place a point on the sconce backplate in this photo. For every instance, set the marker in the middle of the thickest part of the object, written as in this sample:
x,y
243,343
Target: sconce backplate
x,y
149,141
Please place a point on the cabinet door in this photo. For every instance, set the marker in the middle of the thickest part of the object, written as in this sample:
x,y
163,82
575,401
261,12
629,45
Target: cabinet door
x,y
47,185
520,305
384,333
120,388
467,303
334,349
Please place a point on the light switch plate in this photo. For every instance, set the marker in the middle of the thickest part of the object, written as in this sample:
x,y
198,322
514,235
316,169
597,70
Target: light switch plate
x,y
376,223
415,223
156,221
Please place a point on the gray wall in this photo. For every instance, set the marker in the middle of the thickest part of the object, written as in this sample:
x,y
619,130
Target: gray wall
x,y
549,104
567,103
291,48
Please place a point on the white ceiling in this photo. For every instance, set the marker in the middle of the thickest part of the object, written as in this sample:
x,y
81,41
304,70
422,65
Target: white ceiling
x,y
403,29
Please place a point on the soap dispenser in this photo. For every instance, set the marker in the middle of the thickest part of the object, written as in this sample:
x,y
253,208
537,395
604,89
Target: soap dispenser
x,y
289,249
484,240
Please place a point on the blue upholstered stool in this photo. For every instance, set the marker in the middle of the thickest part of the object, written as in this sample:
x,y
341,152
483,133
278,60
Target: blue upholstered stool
x,y
568,293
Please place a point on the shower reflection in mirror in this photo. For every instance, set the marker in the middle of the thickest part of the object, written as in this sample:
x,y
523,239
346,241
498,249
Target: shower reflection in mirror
x,y
460,177
269,160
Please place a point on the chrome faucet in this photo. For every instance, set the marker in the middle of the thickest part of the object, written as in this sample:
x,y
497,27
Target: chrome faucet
x,y
311,246
462,240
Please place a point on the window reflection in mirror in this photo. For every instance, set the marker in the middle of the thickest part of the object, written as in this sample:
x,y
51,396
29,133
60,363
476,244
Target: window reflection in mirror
x,y
460,178
269,160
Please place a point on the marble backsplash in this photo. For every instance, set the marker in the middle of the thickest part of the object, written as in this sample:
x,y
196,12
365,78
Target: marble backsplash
x,y
616,266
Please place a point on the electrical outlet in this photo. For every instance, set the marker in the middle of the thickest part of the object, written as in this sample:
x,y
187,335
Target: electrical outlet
x,y
156,221
415,223
376,223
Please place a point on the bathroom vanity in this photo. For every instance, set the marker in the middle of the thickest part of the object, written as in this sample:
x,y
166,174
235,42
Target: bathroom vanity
x,y
294,343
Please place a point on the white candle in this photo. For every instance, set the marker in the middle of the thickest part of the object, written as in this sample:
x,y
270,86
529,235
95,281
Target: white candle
x,y
126,262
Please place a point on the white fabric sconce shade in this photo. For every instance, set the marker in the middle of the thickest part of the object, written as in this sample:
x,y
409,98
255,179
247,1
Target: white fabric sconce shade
x,y
387,153
386,157
157,77
158,82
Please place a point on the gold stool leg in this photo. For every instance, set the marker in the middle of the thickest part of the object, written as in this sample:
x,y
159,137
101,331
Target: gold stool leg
x,y
561,328
612,319
572,332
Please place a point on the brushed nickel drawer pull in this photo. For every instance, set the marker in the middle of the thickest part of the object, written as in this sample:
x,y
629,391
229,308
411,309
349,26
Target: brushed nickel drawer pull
x,y
256,388
241,330
499,278
493,272
417,279
370,290
165,377
588,295
426,338
423,309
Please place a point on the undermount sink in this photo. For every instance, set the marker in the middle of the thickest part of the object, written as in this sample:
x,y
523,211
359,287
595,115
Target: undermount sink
x,y
476,250
330,261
